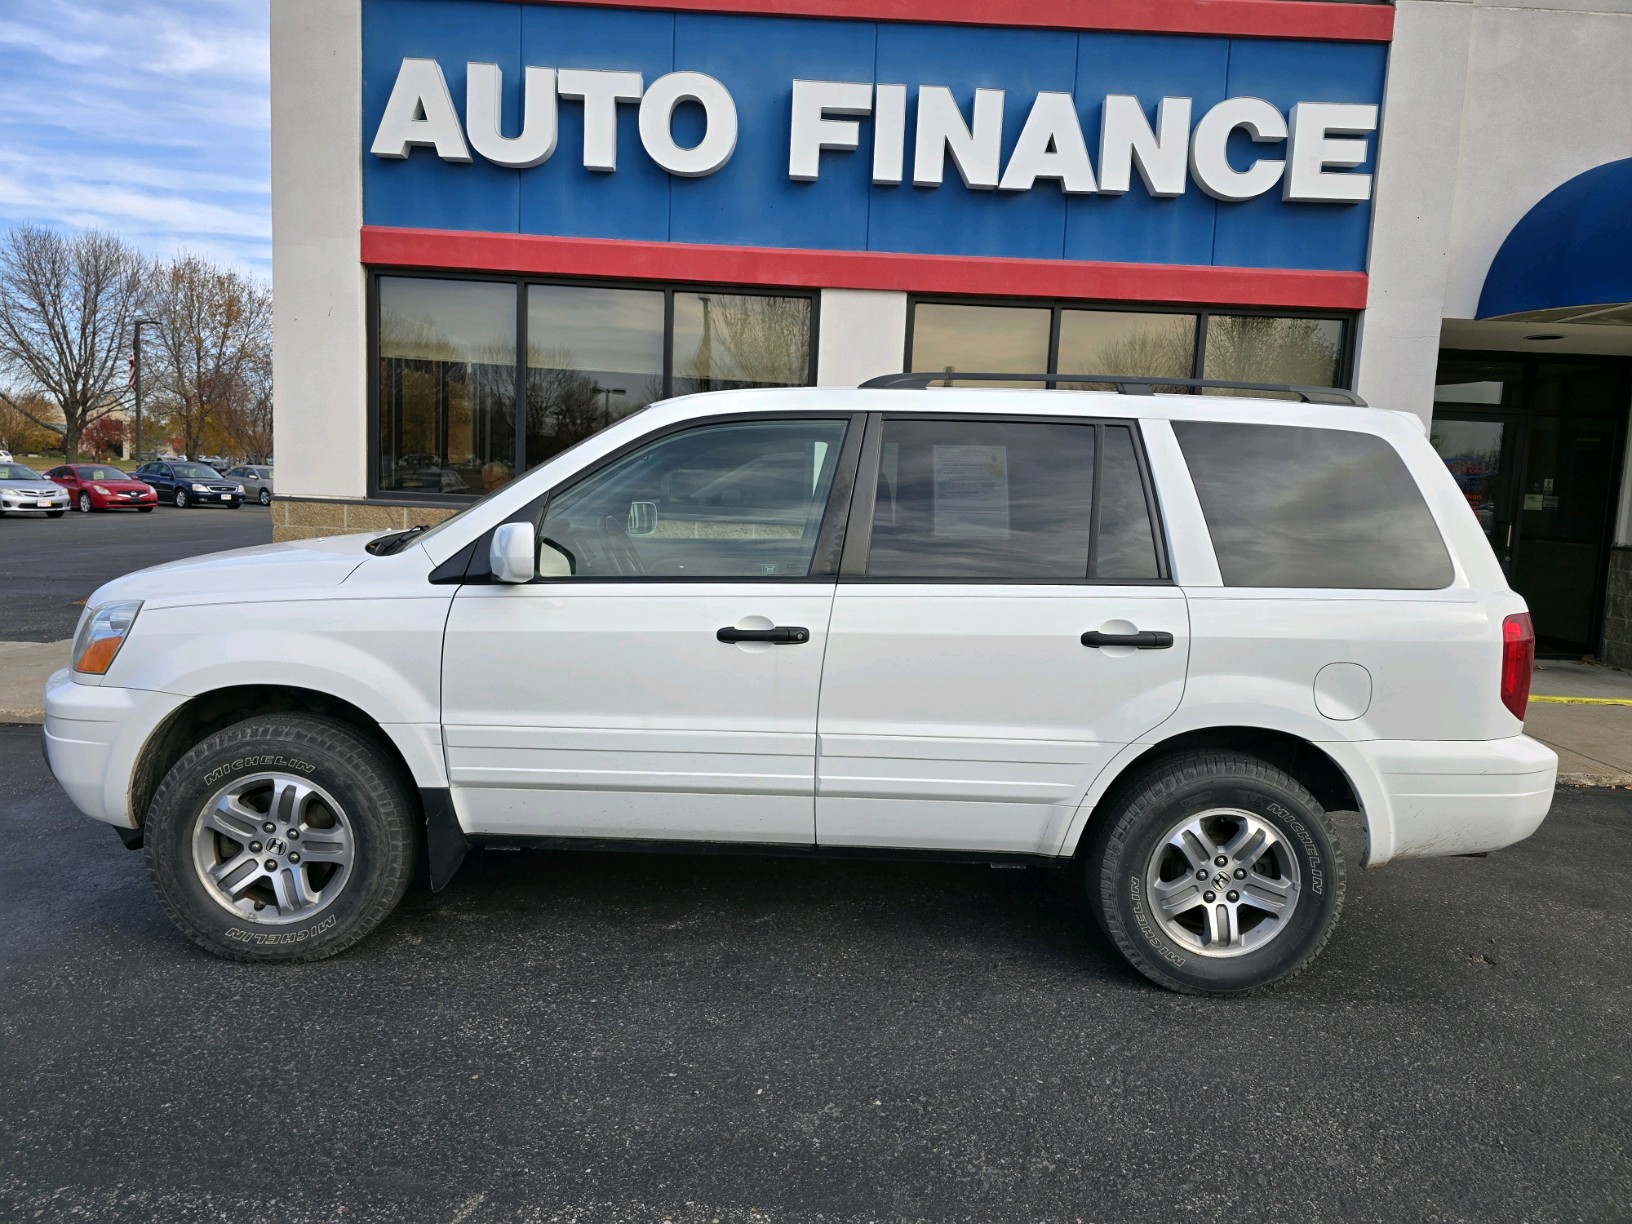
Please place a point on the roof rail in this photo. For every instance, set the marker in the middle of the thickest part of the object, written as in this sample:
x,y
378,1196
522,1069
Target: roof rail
x,y
1125,384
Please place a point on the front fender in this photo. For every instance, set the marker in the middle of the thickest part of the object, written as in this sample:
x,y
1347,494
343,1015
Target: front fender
x,y
383,656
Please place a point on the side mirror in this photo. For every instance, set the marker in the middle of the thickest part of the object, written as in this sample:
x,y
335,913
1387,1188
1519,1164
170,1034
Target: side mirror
x,y
510,556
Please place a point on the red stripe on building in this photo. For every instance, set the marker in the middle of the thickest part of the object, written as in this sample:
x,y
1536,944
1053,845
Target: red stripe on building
x,y
1346,22
530,254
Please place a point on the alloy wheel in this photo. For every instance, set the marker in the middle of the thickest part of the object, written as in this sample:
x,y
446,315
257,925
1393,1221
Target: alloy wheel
x,y
84,502
273,849
1223,882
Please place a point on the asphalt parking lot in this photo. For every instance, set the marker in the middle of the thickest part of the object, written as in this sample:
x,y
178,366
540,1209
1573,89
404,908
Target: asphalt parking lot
x,y
49,566
619,1037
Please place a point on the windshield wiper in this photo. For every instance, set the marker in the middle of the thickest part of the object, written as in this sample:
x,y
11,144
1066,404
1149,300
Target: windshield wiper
x,y
393,543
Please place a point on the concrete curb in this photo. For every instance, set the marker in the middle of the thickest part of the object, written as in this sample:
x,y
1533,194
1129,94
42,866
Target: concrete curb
x,y
23,717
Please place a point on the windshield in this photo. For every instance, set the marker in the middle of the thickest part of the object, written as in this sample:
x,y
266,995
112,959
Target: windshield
x,y
16,471
195,471
99,474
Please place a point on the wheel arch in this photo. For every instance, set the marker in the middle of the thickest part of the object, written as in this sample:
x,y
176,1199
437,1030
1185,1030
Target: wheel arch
x,y
1304,760
206,713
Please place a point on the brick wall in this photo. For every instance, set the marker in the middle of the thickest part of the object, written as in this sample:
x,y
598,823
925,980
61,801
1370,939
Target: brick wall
x,y
1617,647
309,518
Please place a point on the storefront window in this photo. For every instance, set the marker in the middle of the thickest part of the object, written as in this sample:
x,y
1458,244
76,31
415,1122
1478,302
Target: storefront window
x,y
1294,349
593,357
1126,342
988,339
724,341
447,369
1275,349
447,354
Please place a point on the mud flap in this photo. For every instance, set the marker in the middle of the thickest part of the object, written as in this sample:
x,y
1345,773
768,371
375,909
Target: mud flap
x,y
445,843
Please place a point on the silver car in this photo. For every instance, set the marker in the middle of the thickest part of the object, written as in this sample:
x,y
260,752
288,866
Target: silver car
x,y
25,491
256,479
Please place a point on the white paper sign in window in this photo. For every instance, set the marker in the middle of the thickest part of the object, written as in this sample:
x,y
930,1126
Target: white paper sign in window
x,y
972,492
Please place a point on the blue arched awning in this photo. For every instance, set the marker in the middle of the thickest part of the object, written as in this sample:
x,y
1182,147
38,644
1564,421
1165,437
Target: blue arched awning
x,y
1574,248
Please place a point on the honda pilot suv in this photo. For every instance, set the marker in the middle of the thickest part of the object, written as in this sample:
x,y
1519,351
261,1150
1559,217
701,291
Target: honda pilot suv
x,y
1154,638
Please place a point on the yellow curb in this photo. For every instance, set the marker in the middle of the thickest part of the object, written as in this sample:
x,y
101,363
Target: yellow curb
x,y
1618,701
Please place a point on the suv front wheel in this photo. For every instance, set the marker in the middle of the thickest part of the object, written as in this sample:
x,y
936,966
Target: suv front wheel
x,y
1216,873
286,837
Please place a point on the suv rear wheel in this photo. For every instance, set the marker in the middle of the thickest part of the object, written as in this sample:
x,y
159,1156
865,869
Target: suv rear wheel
x,y
1216,873
286,837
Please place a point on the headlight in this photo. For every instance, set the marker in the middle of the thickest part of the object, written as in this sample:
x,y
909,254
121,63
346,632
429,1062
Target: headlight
x,y
101,634
99,489
240,489
198,488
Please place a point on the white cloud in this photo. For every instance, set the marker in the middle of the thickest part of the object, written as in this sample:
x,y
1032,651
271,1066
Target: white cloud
x,y
146,117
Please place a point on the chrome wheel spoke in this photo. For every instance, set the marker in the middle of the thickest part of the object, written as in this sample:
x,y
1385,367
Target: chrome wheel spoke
x,y
1247,846
1192,841
290,799
232,818
1223,925
294,894
1177,896
324,845
237,874
1267,893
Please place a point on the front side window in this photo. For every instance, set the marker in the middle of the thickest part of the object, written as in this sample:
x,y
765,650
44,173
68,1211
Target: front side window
x,y
1008,501
1294,507
727,501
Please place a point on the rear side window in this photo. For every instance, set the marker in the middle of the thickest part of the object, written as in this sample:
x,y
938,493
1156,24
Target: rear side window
x,y
1009,501
1294,507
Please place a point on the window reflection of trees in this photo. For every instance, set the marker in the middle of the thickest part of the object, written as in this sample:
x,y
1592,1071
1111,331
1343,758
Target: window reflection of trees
x,y
566,404
1252,348
743,340
447,410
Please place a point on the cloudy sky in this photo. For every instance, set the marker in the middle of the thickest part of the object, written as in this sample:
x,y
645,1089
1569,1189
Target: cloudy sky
x,y
146,117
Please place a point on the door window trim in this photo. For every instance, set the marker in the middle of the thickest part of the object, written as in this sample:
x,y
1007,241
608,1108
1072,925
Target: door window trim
x,y
858,543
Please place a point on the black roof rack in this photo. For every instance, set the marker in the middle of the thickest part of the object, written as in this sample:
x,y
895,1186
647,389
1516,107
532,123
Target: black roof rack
x,y
1124,384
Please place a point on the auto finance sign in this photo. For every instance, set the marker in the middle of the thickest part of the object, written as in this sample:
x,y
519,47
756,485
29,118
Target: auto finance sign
x,y
846,135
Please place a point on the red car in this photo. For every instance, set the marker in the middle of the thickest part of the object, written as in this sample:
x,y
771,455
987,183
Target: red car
x,y
95,486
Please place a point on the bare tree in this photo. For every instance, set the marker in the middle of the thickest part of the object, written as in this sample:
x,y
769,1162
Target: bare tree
x,y
246,410
214,328
66,307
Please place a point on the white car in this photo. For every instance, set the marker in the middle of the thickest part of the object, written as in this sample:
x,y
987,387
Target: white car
x,y
1154,638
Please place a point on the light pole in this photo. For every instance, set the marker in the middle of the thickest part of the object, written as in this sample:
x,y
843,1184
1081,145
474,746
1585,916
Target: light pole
x,y
136,372
606,402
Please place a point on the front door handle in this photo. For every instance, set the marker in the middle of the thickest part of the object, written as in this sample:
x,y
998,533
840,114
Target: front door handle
x,y
1150,639
781,635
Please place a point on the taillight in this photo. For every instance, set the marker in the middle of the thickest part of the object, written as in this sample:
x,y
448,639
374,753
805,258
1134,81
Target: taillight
x,y
1518,660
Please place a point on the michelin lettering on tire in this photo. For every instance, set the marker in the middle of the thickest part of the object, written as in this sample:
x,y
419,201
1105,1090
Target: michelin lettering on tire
x,y
239,935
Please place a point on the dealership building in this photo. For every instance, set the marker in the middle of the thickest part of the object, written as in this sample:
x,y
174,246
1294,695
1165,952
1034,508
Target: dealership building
x,y
501,224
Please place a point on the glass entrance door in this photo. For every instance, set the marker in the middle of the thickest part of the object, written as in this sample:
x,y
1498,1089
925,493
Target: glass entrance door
x,y
1535,448
1478,449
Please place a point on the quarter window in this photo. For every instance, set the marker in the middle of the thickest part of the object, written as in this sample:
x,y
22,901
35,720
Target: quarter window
x,y
739,500
1294,507
1013,501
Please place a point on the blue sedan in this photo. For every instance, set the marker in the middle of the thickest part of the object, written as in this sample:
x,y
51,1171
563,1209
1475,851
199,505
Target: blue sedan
x,y
191,484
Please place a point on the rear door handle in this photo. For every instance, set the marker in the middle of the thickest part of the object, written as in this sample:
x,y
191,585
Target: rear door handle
x,y
1150,639
781,635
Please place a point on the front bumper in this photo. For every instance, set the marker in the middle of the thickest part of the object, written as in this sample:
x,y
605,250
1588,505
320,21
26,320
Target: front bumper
x,y
1433,798
93,738
12,504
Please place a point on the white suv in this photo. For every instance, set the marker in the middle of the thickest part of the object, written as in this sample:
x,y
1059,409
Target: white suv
x,y
1156,638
